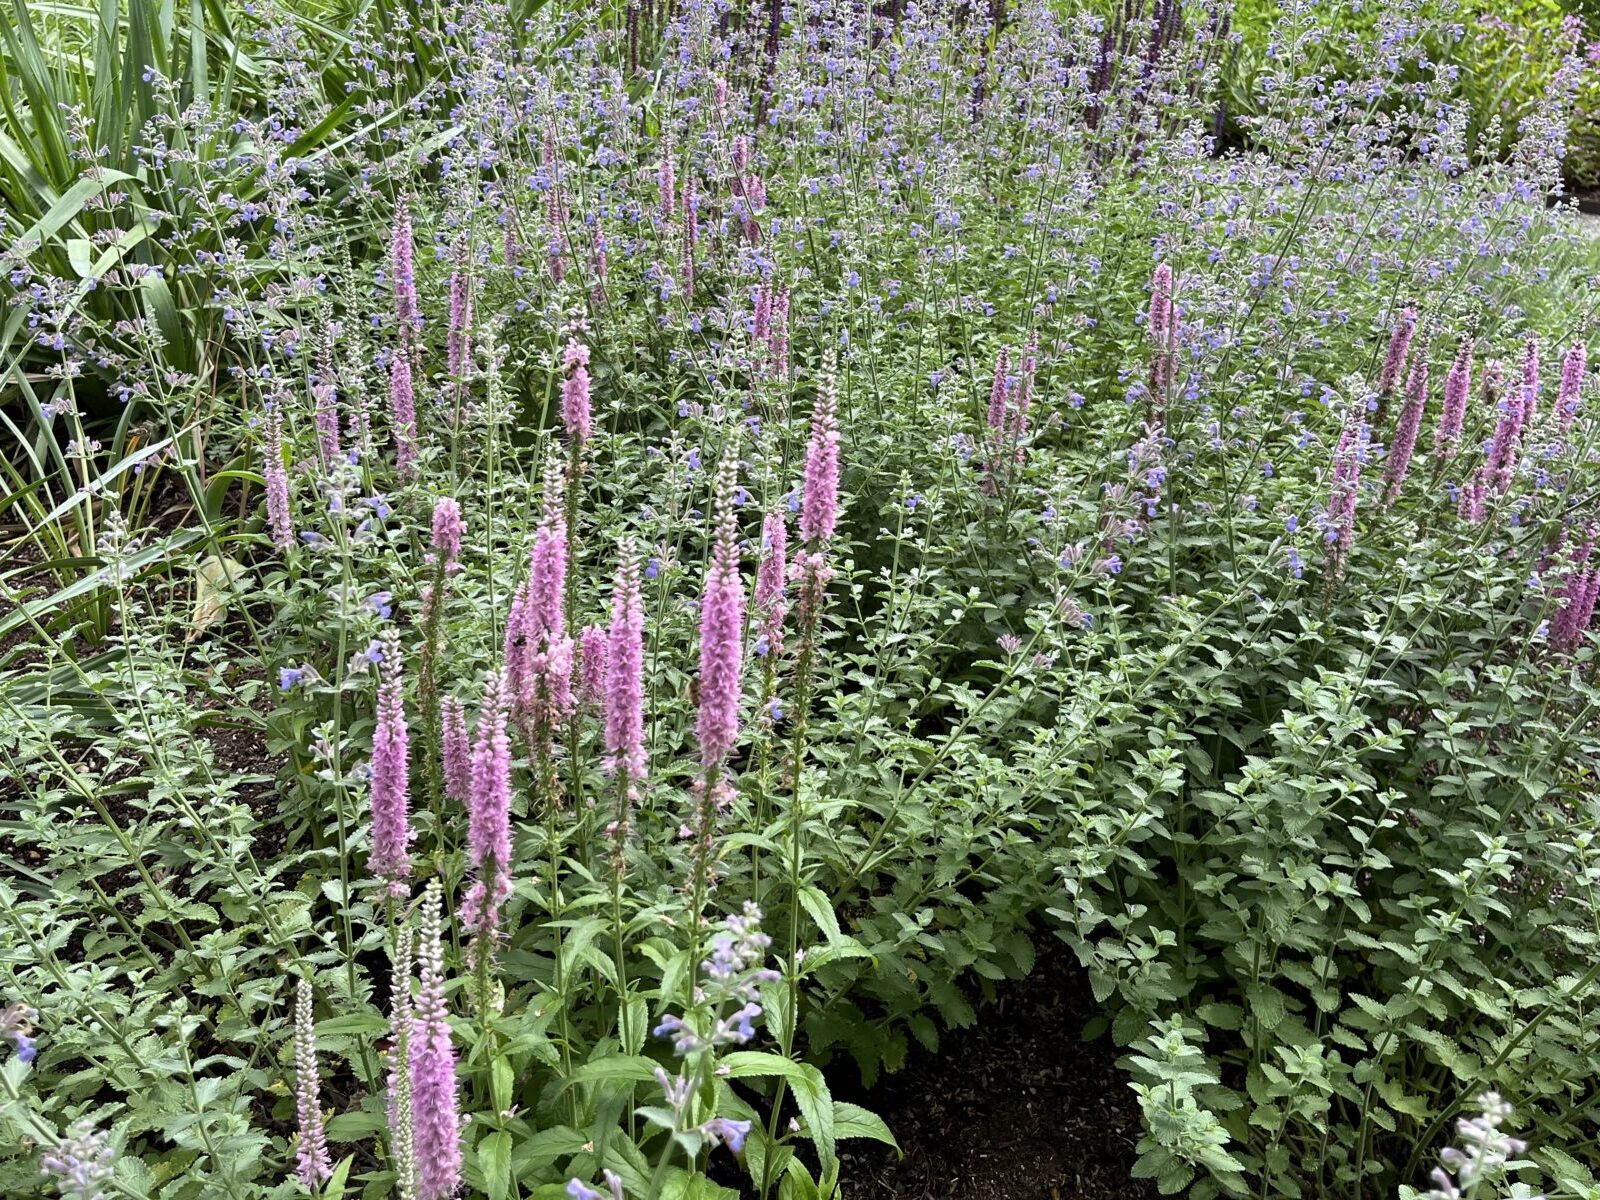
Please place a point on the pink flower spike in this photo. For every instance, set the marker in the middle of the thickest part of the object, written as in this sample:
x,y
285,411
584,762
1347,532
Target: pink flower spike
x,y
999,389
402,264
1394,361
390,857
1406,430
403,411
576,414
447,530
489,813
592,666
312,1163
457,750
625,673
435,1115
1457,387
819,497
278,518
1570,396
722,629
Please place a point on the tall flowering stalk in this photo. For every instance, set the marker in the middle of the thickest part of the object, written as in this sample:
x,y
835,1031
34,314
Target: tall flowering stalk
x,y
1457,387
1396,359
403,411
402,1036
624,745
436,1119
312,1164
278,518
1507,440
402,266
624,698
457,750
1577,597
1398,463
771,596
1570,395
1163,328
721,629
458,342
390,857
489,817
576,415
1530,382
326,397
446,529
591,666
1339,521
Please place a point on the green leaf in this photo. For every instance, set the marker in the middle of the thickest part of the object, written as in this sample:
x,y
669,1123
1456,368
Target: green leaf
x,y
494,1159
853,1121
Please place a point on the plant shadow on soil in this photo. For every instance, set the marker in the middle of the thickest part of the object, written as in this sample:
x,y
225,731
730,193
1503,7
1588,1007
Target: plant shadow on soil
x,y
1016,1107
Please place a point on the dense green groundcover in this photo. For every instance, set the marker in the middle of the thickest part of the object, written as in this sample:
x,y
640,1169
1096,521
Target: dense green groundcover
x,y
1209,588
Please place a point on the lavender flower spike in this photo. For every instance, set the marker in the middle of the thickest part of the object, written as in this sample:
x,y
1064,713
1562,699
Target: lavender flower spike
x,y
722,628
312,1164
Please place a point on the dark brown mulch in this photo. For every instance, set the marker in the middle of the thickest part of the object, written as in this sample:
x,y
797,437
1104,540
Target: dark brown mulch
x,y
1018,1107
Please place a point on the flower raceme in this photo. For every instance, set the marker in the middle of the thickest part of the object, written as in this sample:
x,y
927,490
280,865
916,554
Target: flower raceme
x,y
722,621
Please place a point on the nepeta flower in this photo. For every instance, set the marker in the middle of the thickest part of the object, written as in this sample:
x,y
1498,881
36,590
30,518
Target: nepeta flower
x,y
579,1190
312,1164
1483,1155
81,1165
722,627
16,1026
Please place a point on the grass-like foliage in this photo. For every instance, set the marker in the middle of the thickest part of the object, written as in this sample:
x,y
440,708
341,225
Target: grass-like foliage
x,y
572,579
